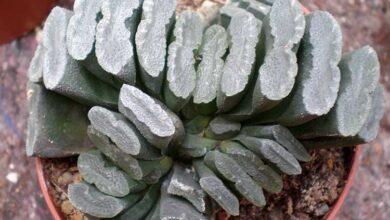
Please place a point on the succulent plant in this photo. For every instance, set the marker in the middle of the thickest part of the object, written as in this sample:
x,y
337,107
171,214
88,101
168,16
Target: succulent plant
x,y
172,116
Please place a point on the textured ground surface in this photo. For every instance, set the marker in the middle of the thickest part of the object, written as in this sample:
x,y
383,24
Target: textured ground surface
x,y
363,22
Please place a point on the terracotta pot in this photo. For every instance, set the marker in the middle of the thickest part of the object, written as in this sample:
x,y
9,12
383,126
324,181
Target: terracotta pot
x,y
17,17
57,215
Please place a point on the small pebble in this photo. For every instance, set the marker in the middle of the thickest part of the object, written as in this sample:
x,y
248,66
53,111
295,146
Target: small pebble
x,y
13,177
321,210
66,207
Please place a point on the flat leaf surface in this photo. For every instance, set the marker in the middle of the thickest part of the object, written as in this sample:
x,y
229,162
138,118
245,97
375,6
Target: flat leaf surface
x,y
233,172
174,207
281,135
95,169
122,132
63,74
195,146
360,74
216,189
181,74
114,38
93,202
137,169
318,79
35,70
55,132
80,35
273,152
209,71
140,210
243,35
147,115
220,128
183,183
157,17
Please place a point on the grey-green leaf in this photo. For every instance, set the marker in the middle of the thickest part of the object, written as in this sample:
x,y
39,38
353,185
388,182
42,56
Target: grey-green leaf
x,y
216,189
184,183
154,123
95,169
173,207
141,209
233,172
243,34
89,200
35,70
318,80
360,74
367,133
281,135
115,34
80,36
273,152
122,132
181,74
137,169
257,8
194,146
156,23
221,129
212,50
262,174
56,125
197,124
63,74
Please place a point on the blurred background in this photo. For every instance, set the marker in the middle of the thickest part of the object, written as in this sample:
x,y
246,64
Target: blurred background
x,y
363,22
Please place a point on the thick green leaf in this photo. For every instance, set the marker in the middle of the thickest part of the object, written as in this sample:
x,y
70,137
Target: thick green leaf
x,y
141,209
273,152
174,207
216,189
281,135
63,74
157,124
243,34
195,146
122,132
80,36
318,80
257,8
222,129
89,200
367,133
137,169
35,70
360,74
155,26
212,50
115,35
181,74
262,174
232,171
95,169
56,125
197,124
184,183
282,30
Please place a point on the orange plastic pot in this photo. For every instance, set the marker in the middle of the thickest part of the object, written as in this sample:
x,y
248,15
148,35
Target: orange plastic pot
x,y
17,17
57,215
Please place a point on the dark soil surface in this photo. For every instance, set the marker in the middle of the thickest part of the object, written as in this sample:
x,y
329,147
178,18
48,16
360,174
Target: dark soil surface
x,y
306,196
363,22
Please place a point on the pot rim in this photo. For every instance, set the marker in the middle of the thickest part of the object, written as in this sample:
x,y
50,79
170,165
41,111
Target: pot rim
x,y
331,215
